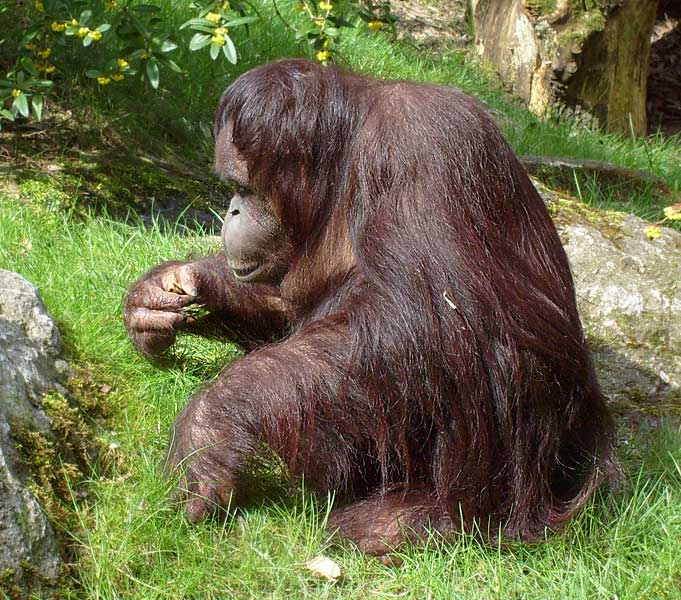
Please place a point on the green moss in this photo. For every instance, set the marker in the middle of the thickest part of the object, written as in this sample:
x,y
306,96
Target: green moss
x,y
541,7
566,211
94,397
8,588
60,460
580,26
107,178
44,192
51,478
577,9
116,188
600,4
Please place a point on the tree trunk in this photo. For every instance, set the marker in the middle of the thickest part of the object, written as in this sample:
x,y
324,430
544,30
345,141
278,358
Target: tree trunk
x,y
588,55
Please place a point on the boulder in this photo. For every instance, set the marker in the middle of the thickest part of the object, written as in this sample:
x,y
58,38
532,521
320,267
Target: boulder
x,y
629,295
30,345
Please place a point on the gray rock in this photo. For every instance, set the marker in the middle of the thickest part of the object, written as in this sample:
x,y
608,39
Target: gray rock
x,y
20,303
629,295
26,537
29,366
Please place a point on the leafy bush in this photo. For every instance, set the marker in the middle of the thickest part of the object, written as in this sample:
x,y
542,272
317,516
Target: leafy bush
x,y
134,39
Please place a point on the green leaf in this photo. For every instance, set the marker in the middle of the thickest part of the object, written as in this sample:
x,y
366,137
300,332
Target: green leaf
x,y
85,16
6,114
27,64
21,104
210,29
173,65
37,104
152,73
214,51
229,50
168,46
128,33
199,41
136,54
92,73
87,40
146,8
28,37
103,27
340,22
191,22
137,24
241,21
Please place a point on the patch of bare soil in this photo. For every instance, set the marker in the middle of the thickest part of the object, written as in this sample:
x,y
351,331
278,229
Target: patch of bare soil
x,y
431,24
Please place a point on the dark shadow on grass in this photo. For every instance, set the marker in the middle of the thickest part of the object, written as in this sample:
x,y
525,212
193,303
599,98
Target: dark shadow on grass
x,y
178,193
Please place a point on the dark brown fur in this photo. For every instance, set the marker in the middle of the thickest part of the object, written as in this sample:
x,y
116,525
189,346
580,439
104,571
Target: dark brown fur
x,y
435,368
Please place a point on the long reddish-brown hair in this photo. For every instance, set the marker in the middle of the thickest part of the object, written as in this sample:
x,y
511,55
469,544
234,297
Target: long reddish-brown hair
x,y
464,373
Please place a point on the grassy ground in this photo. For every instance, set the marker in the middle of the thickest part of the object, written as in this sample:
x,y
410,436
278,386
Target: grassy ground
x,y
177,122
130,541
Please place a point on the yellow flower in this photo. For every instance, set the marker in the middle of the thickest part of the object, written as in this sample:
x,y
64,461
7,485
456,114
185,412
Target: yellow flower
x,y
39,5
221,31
325,5
218,40
96,35
144,55
673,212
50,68
45,53
16,93
123,64
301,7
103,80
323,56
375,25
117,76
74,22
58,27
319,21
653,232
213,17
110,5
82,32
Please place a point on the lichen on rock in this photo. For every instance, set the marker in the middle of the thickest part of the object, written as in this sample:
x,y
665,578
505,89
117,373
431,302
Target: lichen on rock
x,y
46,443
29,367
629,295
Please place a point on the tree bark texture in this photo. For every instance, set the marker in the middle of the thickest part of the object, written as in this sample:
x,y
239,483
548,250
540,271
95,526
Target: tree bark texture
x,y
589,55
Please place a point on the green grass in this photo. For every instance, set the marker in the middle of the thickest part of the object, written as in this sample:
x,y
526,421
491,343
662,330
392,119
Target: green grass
x,y
133,543
177,121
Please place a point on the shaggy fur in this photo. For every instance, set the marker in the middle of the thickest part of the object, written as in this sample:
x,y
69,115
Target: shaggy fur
x,y
435,369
